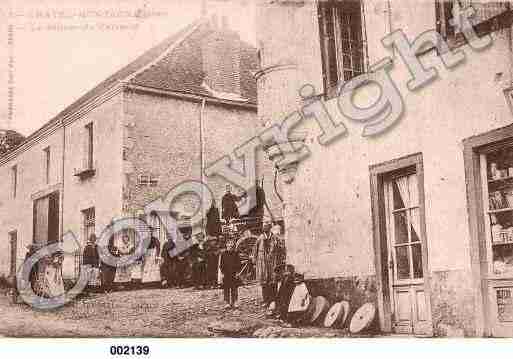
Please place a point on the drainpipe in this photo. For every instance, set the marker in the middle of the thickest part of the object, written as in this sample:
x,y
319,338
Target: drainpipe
x,y
62,177
202,158
510,43
389,23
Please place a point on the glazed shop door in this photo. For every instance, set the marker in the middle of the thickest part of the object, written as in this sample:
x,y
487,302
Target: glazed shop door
x,y
406,255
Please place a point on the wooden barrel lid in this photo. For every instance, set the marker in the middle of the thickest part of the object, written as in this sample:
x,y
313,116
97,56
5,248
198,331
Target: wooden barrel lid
x,y
307,314
321,306
334,315
362,318
300,299
347,308
271,309
272,306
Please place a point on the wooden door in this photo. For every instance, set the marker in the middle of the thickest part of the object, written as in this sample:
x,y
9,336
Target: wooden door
x,y
405,242
41,212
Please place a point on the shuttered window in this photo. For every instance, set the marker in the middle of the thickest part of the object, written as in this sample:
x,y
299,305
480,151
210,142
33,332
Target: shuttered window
x,y
489,16
343,44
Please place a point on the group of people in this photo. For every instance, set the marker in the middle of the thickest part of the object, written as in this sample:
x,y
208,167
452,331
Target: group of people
x,y
45,275
268,257
158,265
214,263
230,210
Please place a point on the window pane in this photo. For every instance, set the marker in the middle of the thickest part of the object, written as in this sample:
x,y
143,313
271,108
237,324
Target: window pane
x,y
413,190
399,200
346,62
487,10
403,262
343,19
345,46
416,250
400,228
414,225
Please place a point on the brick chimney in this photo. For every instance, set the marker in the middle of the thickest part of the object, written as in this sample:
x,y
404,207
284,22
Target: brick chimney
x,y
221,49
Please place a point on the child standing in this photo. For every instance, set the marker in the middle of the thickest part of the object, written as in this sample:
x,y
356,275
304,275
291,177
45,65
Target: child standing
x,y
230,267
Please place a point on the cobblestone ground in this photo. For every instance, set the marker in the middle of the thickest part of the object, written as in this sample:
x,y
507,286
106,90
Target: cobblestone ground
x,y
151,313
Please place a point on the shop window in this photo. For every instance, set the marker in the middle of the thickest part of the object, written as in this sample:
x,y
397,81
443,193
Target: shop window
x,y
343,45
497,174
489,171
489,16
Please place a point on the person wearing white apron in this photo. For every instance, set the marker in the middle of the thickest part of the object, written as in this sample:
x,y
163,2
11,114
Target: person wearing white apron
x,y
151,261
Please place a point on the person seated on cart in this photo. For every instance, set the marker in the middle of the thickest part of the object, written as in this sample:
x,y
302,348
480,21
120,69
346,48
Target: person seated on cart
x,y
229,204
213,227
256,213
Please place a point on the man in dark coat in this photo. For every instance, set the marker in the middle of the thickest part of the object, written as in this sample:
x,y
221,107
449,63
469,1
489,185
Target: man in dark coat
x,y
230,266
108,272
181,270
91,258
212,260
168,268
198,268
229,204
285,275
213,221
256,213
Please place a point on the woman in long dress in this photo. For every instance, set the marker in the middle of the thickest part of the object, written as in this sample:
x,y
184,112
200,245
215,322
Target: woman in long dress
x,y
125,247
53,285
151,267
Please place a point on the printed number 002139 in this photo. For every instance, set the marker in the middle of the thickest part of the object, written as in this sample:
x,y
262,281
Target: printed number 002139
x,y
129,350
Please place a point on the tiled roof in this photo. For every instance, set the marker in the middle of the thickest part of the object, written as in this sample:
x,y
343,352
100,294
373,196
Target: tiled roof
x,y
182,68
175,64
9,140
144,60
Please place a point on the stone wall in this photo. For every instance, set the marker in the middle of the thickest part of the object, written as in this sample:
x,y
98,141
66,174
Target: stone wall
x,y
161,138
328,205
452,302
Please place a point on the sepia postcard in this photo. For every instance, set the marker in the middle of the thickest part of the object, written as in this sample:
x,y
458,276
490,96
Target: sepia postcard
x,y
256,169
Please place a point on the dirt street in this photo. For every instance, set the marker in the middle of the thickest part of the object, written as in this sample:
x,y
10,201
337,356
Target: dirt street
x,y
149,313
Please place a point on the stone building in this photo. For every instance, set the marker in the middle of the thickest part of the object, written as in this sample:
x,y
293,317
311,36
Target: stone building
x,y
157,122
415,218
